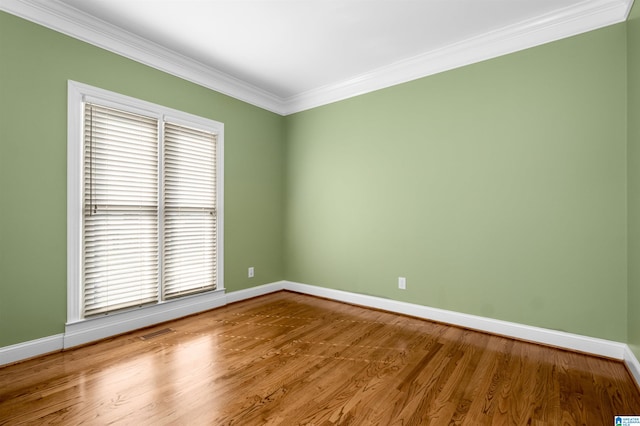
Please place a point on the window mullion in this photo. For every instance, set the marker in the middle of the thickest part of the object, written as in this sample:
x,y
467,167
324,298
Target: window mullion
x,y
161,293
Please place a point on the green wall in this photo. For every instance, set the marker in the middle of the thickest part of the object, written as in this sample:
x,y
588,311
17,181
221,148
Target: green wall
x,y
35,64
497,189
633,61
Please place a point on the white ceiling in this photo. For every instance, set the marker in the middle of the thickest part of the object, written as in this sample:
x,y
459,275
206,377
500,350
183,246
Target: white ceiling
x,y
297,54
292,46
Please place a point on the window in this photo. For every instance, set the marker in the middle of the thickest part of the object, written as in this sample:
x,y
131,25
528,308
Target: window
x,y
144,203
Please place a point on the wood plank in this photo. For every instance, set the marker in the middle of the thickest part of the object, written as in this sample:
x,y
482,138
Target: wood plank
x,y
286,359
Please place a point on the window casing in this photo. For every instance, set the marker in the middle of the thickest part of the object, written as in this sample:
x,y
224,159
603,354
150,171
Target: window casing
x,y
144,204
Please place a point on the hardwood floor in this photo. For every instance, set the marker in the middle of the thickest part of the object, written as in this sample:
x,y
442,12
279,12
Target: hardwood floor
x,y
291,359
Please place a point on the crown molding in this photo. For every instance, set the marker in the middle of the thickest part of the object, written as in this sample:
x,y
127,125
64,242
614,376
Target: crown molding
x,y
67,20
586,16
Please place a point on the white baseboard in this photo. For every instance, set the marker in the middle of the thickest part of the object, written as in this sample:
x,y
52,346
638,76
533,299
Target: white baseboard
x,y
30,349
260,290
88,331
560,339
98,328
632,364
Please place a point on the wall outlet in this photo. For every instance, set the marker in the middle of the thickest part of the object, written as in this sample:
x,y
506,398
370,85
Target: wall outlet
x,y
402,283
251,273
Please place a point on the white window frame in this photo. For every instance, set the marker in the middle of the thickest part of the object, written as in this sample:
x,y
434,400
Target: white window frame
x,y
79,330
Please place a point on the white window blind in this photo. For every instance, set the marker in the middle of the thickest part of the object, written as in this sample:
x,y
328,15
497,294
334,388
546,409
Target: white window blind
x,y
189,209
150,220
120,211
